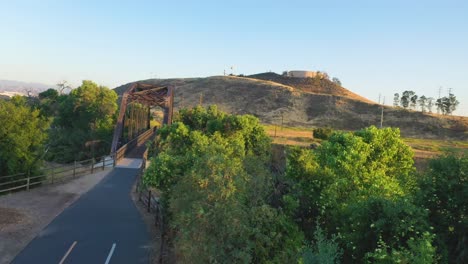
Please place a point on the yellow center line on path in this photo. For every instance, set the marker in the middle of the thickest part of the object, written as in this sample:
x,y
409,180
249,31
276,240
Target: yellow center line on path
x,y
68,252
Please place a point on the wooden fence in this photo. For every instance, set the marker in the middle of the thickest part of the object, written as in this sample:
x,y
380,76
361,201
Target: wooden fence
x,y
24,181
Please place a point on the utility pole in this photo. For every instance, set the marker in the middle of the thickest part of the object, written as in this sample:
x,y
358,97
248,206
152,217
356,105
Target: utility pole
x,y
201,99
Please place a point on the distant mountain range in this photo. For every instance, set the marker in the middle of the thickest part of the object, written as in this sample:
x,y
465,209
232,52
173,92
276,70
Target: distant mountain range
x,y
9,87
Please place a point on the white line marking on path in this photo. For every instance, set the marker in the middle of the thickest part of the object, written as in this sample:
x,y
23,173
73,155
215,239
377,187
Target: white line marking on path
x,y
110,254
68,252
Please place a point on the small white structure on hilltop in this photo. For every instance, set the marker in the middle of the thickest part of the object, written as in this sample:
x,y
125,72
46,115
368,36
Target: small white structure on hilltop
x,y
304,74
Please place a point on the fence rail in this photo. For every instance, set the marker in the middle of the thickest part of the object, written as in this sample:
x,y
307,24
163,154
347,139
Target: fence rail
x,y
24,181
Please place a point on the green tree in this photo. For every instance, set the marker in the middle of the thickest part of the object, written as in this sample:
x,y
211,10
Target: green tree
x,y
452,103
444,192
423,103
396,99
212,169
406,98
357,185
22,136
414,100
84,123
336,81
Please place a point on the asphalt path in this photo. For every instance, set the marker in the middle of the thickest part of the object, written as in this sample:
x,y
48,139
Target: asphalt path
x,y
102,226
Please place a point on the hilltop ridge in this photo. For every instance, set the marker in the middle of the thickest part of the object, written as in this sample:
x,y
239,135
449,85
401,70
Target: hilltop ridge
x,y
311,85
291,102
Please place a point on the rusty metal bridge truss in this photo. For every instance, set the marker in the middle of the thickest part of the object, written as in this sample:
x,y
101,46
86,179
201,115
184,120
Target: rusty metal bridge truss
x,y
135,111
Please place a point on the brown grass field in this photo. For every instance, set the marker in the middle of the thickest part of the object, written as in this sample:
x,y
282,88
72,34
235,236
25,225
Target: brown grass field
x,y
424,149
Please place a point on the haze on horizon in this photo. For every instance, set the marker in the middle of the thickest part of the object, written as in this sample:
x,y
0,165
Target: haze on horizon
x,y
373,48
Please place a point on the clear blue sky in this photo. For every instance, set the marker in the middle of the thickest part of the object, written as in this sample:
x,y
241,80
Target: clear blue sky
x,y
372,46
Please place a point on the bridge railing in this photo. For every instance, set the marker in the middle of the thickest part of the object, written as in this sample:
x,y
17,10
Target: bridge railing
x,y
141,139
24,181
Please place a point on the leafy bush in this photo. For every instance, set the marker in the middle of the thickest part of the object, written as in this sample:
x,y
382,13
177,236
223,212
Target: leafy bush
x,y
212,169
444,192
359,186
23,133
322,132
86,114
323,251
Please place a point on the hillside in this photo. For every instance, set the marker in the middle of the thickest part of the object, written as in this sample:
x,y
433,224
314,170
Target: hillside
x,y
311,85
276,103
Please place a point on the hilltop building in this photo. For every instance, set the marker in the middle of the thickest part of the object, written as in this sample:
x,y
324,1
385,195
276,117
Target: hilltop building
x,y
304,74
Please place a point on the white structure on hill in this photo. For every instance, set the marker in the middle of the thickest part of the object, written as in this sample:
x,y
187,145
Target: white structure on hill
x,y
304,74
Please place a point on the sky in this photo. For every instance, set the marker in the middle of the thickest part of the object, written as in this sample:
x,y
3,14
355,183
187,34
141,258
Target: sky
x,y
373,47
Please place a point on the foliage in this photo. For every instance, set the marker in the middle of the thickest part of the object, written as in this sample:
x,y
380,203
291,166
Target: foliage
x,y
395,222
336,81
212,170
323,251
357,185
84,123
419,251
406,98
396,99
423,103
447,104
323,132
444,192
413,100
49,102
22,134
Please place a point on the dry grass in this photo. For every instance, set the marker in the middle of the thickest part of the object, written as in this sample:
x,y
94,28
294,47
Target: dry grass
x,y
424,149
306,103
296,136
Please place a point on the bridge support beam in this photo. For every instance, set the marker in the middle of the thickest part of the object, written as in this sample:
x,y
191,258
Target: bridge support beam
x,y
137,118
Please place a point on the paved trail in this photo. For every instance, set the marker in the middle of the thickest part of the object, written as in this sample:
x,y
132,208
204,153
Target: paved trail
x,y
102,226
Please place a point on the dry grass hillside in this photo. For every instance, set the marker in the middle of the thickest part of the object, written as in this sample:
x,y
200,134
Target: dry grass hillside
x,y
277,103
312,85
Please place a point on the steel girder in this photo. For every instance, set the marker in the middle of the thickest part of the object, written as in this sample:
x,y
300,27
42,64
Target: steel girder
x,y
148,95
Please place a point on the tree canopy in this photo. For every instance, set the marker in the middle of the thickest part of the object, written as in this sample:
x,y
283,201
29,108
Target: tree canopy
x,y
84,123
22,134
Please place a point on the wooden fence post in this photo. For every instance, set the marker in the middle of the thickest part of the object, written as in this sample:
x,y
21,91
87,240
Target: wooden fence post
x,y
28,182
103,162
92,165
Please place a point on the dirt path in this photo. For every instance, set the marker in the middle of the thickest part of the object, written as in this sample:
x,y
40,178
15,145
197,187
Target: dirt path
x,y
24,214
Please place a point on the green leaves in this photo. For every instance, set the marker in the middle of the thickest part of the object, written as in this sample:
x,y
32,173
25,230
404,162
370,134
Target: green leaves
x,y
444,192
22,134
212,170
87,114
359,186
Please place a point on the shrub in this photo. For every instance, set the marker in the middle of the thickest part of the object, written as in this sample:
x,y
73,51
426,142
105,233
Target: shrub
x,y
322,132
444,192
